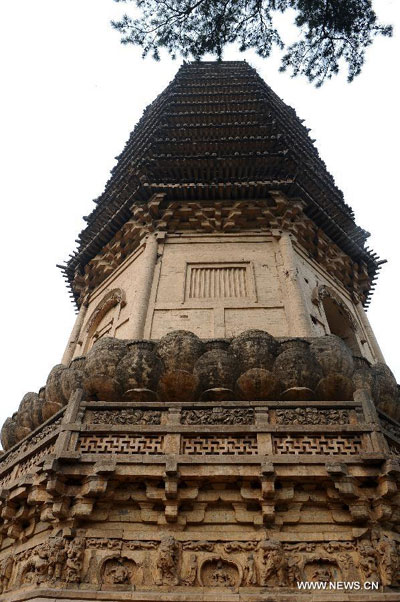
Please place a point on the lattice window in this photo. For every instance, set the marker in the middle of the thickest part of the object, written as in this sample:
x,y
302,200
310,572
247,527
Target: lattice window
x,y
218,281
226,446
121,444
322,444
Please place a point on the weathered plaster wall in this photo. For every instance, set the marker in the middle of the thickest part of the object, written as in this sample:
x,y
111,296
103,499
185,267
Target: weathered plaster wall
x,y
311,276
118,319
217,286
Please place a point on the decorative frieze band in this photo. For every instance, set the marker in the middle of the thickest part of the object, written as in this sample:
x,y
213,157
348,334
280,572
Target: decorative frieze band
x,y
121,564
123,416
311,415
218,416
220,445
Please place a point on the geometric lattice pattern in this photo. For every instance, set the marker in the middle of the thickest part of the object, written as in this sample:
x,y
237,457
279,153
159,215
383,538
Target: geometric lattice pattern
x,y
121,444
228,446
210,282
322,444
26,466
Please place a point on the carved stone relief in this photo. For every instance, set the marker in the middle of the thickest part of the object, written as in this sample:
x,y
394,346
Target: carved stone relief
x,y
218,416
220,572
273,564
27,465
116,563
250,571
29,444
123,416
6,567
190,571
311,416
167,562
56,560
120,570
387,551
321,568
391,427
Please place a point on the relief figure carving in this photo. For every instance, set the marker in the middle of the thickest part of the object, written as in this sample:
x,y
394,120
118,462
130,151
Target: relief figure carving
x,y
118,571
348,567
368,561
74,561
35,571
57,557
273,569
312,416
218,416
250,571
124,416
295,569
321,568
388,560
6,567
191,571
220,572
167,562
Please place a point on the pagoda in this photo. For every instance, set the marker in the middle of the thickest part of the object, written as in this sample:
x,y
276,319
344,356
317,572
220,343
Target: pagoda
x,y
223,425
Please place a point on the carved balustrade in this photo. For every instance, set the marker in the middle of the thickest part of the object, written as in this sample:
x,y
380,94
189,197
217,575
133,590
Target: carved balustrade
x,y
93,455
391,431
27,456
283,431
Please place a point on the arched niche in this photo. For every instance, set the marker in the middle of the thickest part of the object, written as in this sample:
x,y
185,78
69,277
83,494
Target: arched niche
x,y
323,569
118,570
338,316
102,320
217,571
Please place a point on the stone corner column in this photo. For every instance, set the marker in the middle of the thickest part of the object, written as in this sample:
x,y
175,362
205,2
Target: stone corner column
x,y
144,286
74,336
299,319
370,333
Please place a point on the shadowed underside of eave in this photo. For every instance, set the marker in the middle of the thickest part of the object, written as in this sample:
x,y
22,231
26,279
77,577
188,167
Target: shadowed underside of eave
x,y
218,132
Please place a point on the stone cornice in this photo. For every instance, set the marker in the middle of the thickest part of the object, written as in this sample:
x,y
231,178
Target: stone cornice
x,y
274,214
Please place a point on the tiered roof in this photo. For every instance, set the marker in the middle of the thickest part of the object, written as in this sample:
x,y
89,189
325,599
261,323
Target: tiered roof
x,y
218,132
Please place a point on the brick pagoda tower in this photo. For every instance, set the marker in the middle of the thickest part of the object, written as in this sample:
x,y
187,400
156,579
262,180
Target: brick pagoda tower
x,y
222,425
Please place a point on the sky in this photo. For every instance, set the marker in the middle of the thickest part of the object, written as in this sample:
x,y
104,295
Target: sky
x,y
71,94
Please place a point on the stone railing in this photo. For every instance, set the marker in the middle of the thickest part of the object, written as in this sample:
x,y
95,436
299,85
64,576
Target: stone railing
x,y
391,431
182,367
230,431
26,456
235,429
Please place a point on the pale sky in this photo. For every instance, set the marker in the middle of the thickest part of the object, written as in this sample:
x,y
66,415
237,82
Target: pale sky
x,y
71,94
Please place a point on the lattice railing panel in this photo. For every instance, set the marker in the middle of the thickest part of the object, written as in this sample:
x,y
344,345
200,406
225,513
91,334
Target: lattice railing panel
x,y
121,444
321,444
226,446
27,465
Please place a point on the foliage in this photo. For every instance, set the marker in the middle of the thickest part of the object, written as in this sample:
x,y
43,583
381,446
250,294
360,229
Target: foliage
x,y
330,31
